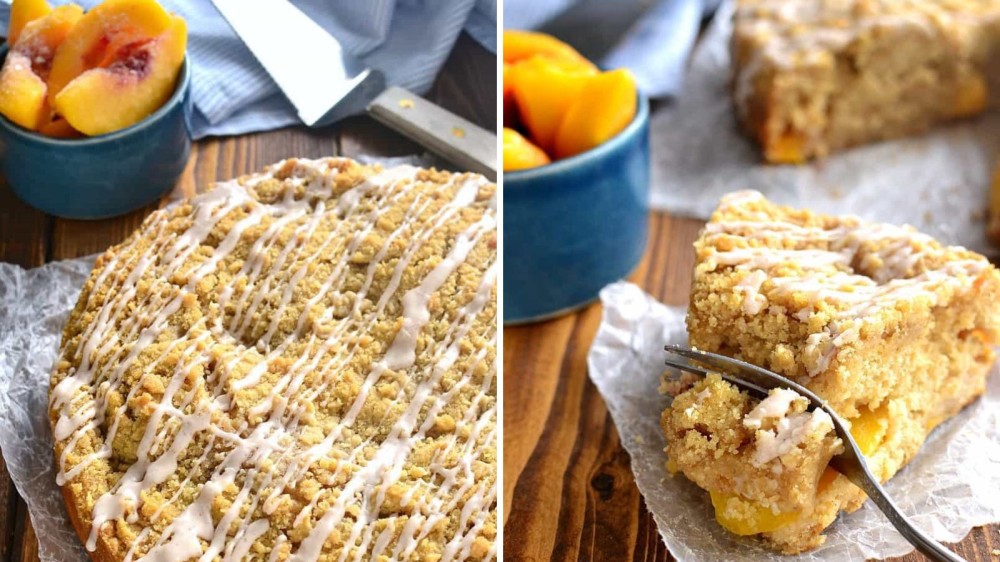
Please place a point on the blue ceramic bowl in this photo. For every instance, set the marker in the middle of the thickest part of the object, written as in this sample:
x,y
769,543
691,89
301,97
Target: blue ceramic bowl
x,y
102,176
573,226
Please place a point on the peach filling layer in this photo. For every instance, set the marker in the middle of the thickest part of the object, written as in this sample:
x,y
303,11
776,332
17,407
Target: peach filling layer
x,y
745,517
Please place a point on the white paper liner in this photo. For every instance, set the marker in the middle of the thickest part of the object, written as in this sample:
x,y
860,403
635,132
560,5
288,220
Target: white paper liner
x,y
951,486
937,182
34,304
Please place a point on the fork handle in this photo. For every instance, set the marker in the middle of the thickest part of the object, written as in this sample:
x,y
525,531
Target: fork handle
x,y
862,478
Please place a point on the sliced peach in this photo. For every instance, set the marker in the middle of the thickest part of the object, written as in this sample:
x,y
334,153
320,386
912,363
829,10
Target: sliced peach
x,y
521,45
140,78
519,153
101,36
22,79
971,96
59,128
788,148
509,107
22,12
604,106
22,92
825,479
508,86
869,428
40,39
544,91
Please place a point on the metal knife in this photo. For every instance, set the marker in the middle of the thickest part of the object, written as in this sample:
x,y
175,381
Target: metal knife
x,y
278,33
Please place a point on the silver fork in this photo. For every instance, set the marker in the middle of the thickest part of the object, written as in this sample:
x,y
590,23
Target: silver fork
x,y
757,381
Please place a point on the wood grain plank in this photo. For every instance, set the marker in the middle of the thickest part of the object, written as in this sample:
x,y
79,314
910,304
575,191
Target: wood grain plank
x,y
29,541
611,495
525,422
206,156
24,548
226,164
357,138
24,231
467,85
8,507
587,475
187,184
570,407
76,238
676,282
540,492
656,253
299,142
653,547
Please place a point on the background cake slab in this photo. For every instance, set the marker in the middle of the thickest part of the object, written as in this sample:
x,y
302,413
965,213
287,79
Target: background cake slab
x,y
937,182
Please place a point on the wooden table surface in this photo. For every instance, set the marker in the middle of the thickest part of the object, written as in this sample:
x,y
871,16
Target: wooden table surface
x,y
467,86
568,490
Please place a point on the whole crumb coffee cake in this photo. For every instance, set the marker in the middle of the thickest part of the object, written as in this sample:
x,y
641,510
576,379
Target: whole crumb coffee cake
x,y
895,331
815,76
296,365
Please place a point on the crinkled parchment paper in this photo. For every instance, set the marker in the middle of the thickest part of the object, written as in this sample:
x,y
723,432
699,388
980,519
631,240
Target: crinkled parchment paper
x,y
34,304
936,182
951,486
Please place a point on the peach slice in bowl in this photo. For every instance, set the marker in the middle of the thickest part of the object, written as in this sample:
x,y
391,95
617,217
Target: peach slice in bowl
x,y
25,73
100,176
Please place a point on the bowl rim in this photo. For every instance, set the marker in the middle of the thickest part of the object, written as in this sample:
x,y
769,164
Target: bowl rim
x,y
183,84
641,117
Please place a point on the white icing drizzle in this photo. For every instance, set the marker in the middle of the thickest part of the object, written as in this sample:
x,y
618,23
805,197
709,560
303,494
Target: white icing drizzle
x,y
402,353
790,424
749,287
853,268
275,453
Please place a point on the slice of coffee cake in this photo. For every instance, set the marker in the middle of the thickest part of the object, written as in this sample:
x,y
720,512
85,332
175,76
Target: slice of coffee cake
x,y
893,329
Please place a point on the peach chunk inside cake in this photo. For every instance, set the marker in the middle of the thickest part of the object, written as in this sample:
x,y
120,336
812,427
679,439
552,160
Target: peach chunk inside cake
x,y
894,330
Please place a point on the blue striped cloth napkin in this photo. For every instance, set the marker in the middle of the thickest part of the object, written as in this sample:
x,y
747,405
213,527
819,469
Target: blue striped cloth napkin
x,y
408,40
656,48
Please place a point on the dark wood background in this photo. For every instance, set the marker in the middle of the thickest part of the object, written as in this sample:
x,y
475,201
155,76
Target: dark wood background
x,y
467,86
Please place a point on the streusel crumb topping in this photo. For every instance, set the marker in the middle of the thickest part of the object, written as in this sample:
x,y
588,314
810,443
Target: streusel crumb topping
x,y
295,365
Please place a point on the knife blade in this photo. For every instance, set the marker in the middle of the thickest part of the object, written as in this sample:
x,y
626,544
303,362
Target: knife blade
x,y
278,34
